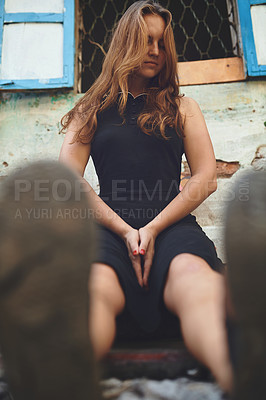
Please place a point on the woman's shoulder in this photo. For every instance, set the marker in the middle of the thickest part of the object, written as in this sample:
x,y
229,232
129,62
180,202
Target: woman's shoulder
x,y
188,107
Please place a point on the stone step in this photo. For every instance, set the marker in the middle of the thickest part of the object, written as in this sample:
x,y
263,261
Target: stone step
x,y
153,360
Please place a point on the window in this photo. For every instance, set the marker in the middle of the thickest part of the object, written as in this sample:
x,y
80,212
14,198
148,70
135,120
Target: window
x,y
36,44
252,14
206,35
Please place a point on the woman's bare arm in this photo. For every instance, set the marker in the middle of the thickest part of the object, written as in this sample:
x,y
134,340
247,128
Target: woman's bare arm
x,y
76,156
200,156
201,159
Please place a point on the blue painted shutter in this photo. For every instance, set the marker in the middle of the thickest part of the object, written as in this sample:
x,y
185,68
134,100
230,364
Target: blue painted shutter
x,y
249,48
67,19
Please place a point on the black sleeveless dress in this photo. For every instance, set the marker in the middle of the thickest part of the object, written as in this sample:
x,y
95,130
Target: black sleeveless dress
x,y
138,176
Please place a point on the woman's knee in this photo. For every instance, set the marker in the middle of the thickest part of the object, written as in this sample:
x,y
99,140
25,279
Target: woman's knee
x,y
187,265
185,272
104,286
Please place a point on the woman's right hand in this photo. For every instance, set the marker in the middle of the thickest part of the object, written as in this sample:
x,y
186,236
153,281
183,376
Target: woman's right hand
x,y
132,239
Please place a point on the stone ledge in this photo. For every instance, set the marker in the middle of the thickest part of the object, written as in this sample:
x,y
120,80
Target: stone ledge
x,y
161,360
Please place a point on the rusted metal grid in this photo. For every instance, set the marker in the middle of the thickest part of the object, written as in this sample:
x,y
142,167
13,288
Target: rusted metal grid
x,y
203,30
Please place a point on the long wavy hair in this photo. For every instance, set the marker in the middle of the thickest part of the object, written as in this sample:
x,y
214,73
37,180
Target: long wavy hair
x,y
126,53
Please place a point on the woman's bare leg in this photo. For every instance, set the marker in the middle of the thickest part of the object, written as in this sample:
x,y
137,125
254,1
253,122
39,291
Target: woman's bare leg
x,y
107,300
196,294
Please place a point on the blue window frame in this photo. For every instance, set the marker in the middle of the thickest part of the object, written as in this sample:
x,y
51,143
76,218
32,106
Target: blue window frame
x,y
66,18
249,48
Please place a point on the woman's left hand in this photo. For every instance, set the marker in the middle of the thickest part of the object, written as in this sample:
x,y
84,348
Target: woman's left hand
x,y
146,249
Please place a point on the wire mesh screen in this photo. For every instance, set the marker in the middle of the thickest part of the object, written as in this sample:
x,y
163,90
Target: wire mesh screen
x,y
203,29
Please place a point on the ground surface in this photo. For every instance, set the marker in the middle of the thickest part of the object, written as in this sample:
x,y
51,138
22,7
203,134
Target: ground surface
x,y
147,389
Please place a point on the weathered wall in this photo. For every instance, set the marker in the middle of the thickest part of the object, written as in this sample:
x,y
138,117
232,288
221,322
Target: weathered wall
x,y
234,112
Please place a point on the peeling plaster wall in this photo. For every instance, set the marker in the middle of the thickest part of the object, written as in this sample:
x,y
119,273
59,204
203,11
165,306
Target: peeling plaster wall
x,y
235,114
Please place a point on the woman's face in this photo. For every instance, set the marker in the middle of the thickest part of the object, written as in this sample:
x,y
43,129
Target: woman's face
x,y
155,56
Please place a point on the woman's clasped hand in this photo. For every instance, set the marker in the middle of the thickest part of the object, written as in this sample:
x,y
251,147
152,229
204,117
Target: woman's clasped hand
x,y
140,244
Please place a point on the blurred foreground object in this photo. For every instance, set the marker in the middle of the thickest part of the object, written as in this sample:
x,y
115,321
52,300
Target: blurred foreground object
x,y
46,249
246,254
